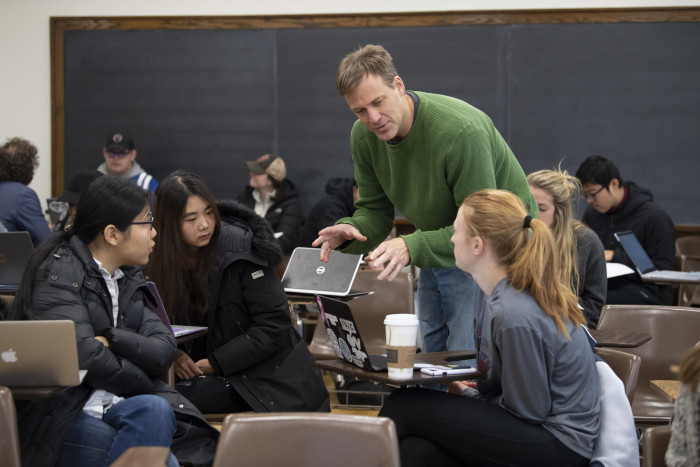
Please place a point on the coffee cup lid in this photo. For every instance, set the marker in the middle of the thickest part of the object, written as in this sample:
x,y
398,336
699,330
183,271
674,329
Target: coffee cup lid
x,y
401,319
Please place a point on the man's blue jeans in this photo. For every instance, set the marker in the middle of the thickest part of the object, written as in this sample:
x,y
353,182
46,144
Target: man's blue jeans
x,y
446,309
145,420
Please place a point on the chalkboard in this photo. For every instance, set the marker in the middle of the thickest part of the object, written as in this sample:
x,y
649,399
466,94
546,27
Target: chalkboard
x,y
207,99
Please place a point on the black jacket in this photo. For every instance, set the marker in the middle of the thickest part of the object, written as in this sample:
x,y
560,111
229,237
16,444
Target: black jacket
x,y
336,204
650,224
68,285
251,340
284,215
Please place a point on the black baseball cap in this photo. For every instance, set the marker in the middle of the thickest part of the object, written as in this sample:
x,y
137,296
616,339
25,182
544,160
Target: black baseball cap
x,y
77,184
119,142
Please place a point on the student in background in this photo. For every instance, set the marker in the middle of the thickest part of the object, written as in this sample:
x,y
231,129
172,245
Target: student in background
x,y
684,446
120,152
20,208
90,274
616,206
213,267
581,259
339,201
537,401
77,184
272,196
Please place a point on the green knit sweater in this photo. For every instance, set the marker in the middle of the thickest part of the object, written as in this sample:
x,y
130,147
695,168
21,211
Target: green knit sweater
x,y
452,150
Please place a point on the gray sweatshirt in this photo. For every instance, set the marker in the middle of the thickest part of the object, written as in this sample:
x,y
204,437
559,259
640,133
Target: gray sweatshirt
x,y
533,370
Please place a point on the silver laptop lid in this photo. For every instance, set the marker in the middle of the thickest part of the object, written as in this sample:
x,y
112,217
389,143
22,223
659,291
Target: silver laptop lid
x,y
25,360
15,250
307,274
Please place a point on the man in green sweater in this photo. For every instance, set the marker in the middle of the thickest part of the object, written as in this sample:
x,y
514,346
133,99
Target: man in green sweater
x,y
423,154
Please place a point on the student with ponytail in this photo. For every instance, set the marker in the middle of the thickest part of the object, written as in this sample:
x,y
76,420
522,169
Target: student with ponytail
x,y
536,402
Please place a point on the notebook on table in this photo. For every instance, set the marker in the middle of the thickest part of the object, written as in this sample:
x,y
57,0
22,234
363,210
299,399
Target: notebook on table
x,y
26,360
15,250
307,274
345,335
645,267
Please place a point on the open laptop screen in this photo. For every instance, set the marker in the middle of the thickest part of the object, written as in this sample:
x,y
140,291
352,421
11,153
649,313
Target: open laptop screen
x,y
635,251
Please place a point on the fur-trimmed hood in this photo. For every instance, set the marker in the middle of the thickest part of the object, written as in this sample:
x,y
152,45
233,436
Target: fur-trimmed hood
x,y
245,235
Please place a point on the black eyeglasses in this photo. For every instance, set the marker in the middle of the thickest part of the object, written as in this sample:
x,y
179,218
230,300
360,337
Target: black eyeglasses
x,y
592,195
148,222
118,155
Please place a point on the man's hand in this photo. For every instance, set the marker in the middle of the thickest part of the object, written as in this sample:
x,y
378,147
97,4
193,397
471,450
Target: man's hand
x,y
205,365
389,257
331,238
185,368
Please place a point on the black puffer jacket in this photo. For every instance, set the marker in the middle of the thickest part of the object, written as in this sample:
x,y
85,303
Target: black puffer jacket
x,y
251,340
284,215
68,285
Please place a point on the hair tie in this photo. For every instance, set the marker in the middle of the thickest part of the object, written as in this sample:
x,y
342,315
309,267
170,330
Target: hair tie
x,y
526,224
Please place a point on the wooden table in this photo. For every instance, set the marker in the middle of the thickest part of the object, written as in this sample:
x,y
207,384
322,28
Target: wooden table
x,y
619,338
668,387
418,378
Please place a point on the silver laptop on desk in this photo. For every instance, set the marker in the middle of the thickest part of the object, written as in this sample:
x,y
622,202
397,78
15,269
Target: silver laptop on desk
x,y
645,267
307,274
15,250
38,353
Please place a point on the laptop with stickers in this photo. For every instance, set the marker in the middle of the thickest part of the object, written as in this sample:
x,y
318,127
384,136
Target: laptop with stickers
x,y
307,274
25,360
345,335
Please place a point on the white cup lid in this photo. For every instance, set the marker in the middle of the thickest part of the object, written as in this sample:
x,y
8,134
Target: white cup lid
x,y
405,319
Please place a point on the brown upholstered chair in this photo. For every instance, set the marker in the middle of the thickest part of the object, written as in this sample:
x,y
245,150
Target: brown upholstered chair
x,y
655,443
369,311
307,439
674,330
689,294
9,437
625,365
688,259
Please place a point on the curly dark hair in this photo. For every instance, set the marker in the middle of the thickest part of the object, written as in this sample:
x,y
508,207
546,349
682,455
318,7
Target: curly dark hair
x,y
18,161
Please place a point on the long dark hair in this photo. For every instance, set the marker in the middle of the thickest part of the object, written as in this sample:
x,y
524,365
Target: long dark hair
x,y
182,291
107,201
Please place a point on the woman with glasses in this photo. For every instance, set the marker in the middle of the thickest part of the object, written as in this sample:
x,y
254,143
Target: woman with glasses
x,y
536,403
90,274
213,267
581,258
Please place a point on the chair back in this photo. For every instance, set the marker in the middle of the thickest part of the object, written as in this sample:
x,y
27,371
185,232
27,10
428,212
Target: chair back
x,y
655,443
9,436
625,365
674,330
389,297
689,294
307,439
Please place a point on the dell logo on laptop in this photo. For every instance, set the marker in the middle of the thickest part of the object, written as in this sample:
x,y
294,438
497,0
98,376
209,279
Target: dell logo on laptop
x,y
320,270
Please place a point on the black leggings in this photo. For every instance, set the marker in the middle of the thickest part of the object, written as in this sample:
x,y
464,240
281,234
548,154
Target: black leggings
x,y
212,394
440,429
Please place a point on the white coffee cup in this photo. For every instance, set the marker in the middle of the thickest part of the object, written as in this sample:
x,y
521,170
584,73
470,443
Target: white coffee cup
x,y
401,335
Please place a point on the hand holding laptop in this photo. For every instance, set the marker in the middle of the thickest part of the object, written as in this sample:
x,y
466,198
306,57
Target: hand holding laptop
x,y
332,237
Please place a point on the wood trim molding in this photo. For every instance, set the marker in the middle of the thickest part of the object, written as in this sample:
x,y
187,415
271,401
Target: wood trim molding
x,y
59,25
